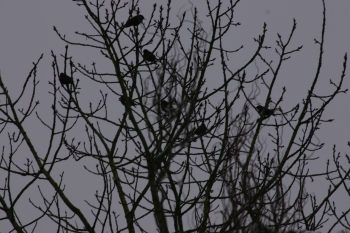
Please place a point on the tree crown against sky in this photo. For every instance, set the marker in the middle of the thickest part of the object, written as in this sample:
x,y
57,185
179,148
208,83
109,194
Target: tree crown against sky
x,y
174,137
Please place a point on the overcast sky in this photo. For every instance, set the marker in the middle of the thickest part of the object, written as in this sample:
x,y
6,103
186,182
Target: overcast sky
x,y
26,31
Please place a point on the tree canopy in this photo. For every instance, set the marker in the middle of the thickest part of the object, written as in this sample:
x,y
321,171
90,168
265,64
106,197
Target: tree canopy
x,y
179,138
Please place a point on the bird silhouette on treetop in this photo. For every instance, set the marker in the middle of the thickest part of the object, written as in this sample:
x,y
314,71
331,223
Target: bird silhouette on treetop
x,y
65,79
123,101
134,21
149,56
201,130
166,106
265,112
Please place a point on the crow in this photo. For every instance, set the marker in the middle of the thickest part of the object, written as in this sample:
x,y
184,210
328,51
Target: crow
x,y
166,106
201,130
265,111
134,21
122,100
149,56
65,79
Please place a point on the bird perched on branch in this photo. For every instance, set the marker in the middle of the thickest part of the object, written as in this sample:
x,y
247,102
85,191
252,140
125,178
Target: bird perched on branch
x,y
134,21
166,106
265,112
201,130
149,56
65,79
122,99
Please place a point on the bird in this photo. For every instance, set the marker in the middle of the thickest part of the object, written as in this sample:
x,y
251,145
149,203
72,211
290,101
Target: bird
x,y
201,130
166,106
267,112
134,21
149,56
65,79
122,100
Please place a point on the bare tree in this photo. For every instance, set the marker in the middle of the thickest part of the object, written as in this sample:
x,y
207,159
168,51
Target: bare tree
x,y
179,156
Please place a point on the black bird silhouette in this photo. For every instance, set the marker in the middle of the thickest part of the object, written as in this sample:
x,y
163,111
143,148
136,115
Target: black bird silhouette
x,y
201,130
265,111
134,21
166,106
149,56
123,101
65,79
